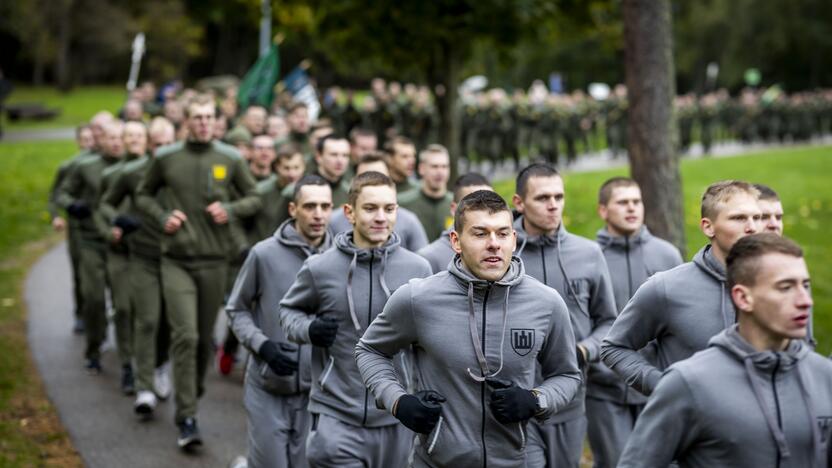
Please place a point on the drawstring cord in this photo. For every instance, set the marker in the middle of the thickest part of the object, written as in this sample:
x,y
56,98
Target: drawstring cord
x,y
475,337
350,300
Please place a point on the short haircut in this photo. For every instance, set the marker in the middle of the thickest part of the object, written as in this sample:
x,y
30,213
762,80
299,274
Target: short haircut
x,y
533,170
256,107
368,179
297,105
481,200
200,100
287,151
304,181
742,262
471,179
767,193
161,124
319,147
434,148
390,146
605,192
322,123
80,129
371,157
358,132
720,192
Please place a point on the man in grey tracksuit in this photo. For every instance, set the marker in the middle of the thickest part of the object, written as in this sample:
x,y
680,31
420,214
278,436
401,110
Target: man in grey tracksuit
x,y
576,268
334,298
679,310
758,395
439,252
482,331
277,379
632,255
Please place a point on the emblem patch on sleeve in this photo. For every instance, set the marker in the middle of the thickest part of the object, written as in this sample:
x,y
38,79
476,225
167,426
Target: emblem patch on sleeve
x,y
522,340
220,172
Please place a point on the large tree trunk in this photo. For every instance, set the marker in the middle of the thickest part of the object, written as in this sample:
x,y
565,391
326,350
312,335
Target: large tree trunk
x,y
447,75
650,90
62,61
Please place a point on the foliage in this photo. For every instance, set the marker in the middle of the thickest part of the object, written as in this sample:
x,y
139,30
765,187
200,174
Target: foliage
x,y
798,174
30,431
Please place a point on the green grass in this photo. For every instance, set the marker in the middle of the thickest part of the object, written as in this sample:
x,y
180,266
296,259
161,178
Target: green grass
x,y
30,434
77,106
801,176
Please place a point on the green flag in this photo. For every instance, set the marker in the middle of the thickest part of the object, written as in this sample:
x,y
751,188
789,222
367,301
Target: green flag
x,y
258,84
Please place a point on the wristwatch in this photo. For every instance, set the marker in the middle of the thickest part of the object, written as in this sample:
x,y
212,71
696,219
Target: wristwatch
x,y
542,402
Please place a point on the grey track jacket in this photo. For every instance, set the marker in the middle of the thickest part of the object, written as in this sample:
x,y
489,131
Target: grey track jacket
x,y
252,307
681,309
408,227
575,268
439,252
733,406
352,285
520,325
631,261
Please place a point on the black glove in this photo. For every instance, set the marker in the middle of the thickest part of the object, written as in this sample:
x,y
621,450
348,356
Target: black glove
x,y
280,362
322,331
79,209
127,223
510,403
581,358
420,412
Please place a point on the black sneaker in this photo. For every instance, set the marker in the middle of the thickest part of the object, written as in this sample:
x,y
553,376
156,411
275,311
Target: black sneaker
x,y
93,366
128,385
189,438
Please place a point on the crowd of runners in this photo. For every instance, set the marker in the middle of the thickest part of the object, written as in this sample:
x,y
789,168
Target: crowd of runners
x,y
388,320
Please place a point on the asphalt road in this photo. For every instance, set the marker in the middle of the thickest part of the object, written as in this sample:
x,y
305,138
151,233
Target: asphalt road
x,y
98,416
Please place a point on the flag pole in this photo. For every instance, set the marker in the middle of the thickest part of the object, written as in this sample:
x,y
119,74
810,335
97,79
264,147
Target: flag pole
x,y
265,27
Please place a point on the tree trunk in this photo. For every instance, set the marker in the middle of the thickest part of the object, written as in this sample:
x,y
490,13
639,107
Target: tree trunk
x,y
62,61
447,74
650,90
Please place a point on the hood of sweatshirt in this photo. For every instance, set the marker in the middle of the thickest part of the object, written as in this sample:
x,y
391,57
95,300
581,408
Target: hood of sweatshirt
x,y
767,363
607,240
524,238
344,242
706,261
287,235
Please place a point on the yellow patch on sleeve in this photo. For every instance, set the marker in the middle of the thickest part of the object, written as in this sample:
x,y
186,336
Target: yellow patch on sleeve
x,y
220,171
449,221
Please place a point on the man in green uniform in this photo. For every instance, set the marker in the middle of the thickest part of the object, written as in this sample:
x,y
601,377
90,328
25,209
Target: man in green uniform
x,y
85,139
78,195
298,120
432,202
117,263
198,176
332,156
289,167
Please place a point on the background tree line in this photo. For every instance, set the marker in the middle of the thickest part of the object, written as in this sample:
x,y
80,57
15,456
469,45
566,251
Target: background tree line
x,y
75,42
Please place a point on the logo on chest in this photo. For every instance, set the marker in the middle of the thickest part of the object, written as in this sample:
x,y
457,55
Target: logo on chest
x,y
522,340
219,171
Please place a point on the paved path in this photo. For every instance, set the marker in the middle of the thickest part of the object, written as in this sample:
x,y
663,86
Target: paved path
x,y
97,415
38,134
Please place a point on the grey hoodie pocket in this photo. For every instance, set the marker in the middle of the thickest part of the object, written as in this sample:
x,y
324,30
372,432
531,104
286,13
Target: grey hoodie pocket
x,y
280,384
521,429
433,437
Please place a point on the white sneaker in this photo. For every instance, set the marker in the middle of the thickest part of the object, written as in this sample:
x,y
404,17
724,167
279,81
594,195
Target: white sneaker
x,y
161,382
145,404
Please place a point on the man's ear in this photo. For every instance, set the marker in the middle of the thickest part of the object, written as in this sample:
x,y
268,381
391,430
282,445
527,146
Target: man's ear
x,y
349,213
293,209
455,243
603,211
707,227
517,202
742,298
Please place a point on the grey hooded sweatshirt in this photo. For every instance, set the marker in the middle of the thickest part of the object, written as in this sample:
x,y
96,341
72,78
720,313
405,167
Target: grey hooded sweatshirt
x,y
681,309
439,252
519,324
634,259
351,285
407,226
263,279
631,261
575,268
731,405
